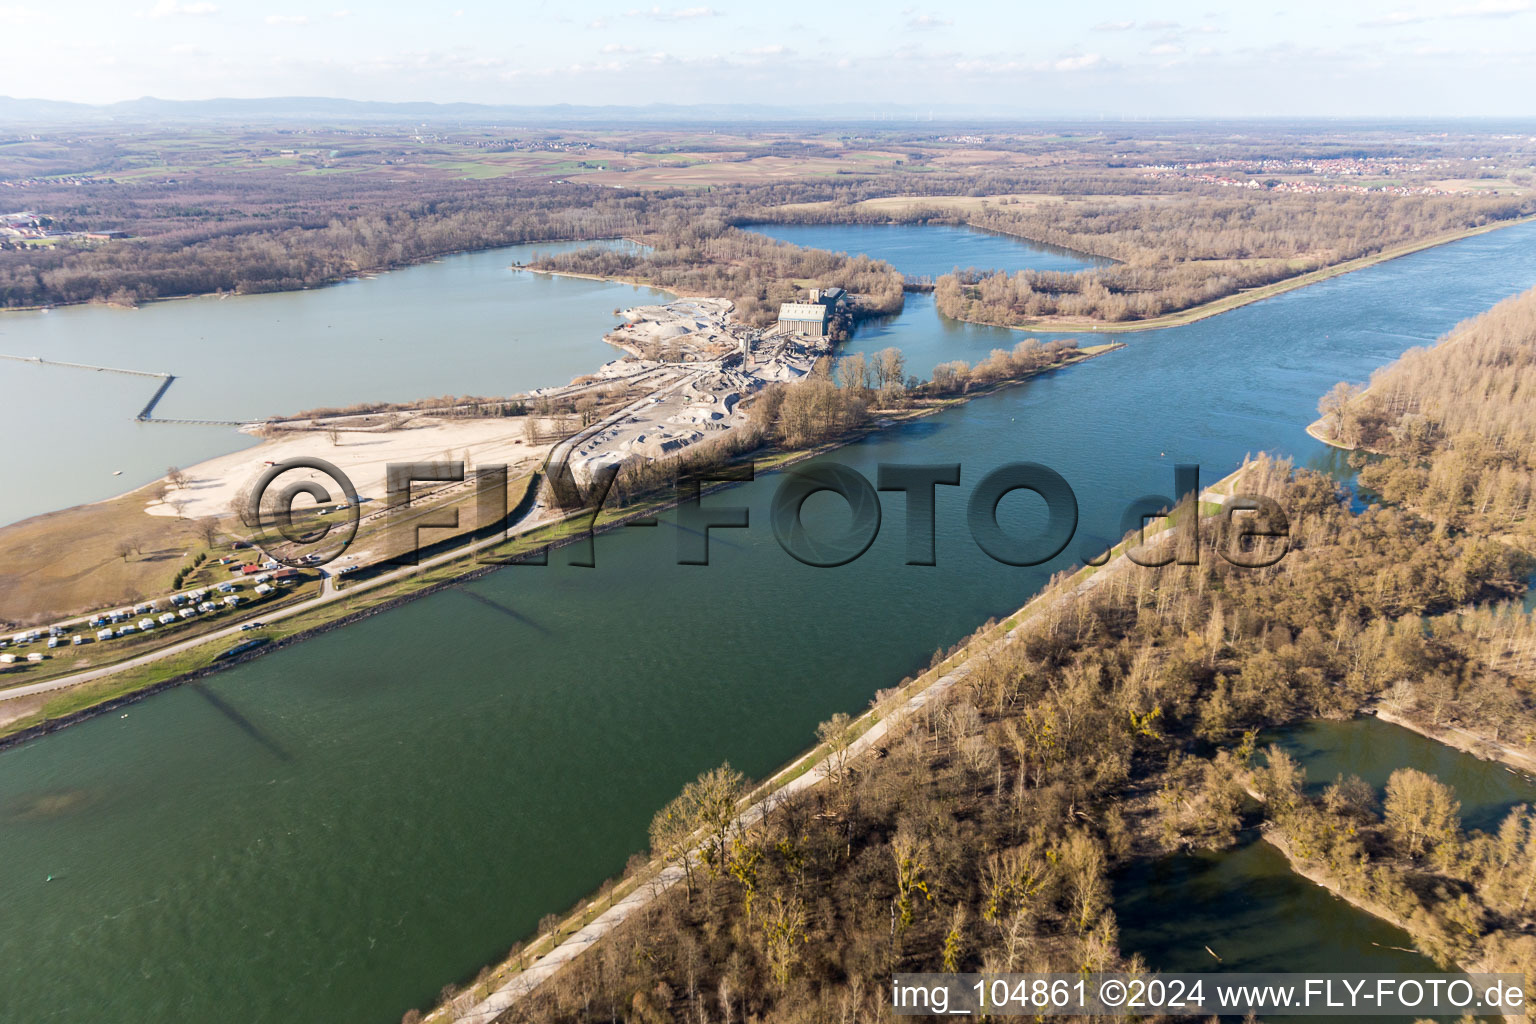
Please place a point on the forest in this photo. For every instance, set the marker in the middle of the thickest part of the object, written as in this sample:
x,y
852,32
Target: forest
x,y
227,212
1117,722
697,253
1460,419
253,256
1448,431
1172,256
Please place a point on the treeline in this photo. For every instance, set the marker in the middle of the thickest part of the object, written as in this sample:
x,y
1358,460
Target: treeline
x,y
833,401
1464,897
1117,294
1328,228
298,257
796,415
981,835
1450,429
1461,418
698,253
218,223
1027,357
1174,255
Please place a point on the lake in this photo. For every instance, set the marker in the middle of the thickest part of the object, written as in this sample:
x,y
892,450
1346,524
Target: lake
x,y
333,831
465,324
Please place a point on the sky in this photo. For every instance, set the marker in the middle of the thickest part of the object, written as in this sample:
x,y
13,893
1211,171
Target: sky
x,y
1152,58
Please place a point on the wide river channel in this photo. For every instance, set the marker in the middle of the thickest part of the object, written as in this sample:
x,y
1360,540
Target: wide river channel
x,y
330,833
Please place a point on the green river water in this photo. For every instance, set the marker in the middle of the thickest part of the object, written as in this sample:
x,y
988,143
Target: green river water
x,y
331,832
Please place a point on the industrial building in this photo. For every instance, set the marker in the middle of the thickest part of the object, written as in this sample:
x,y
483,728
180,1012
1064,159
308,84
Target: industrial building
x,y
811,318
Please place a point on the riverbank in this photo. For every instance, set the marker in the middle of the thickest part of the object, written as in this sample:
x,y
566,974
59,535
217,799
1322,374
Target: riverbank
x,y
1482,747
634,282
355,275
154,672
1315,431
1306,869
530,965
1218,306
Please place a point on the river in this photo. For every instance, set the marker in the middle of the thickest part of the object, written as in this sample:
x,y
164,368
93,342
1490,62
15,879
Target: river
x,y
333,831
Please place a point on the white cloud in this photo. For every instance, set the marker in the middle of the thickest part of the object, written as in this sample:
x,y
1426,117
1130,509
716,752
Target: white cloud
x,y
992,67
1395,18
675,14
19,15
1079,62
619,48
170,8
1165,49
1490,9
1481,9
927,21
774,50
344,13
600,23
1114,26
288,19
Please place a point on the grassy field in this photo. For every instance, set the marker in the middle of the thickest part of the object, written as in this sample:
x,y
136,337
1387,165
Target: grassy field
x,y
66,563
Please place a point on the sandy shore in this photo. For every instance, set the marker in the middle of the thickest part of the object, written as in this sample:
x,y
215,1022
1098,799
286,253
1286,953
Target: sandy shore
x,y
1483,747
212,487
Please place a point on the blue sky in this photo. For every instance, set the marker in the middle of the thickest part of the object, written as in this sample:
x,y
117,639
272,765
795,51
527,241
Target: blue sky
x,y
1341,58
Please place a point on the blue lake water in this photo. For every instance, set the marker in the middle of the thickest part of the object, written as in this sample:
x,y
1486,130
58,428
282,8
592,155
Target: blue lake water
x,y
465,324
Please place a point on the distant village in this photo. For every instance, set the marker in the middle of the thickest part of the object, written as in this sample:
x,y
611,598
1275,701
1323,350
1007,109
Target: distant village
x,y
1253,174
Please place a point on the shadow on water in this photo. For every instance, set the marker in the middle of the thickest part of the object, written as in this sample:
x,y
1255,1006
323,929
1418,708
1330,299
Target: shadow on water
x,y
510,613
1244,910
242,723
926,427
1373,749
713,537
